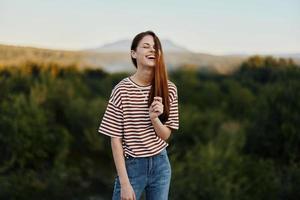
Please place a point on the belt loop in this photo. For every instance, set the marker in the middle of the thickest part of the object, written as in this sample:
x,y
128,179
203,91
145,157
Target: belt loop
x,y
126,156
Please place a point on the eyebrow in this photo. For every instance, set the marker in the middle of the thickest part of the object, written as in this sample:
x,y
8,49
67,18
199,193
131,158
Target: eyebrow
x,y
147,43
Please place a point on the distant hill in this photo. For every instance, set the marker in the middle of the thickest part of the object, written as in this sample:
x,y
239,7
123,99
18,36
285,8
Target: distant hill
x,y
120,60
124,46
294,56
113,62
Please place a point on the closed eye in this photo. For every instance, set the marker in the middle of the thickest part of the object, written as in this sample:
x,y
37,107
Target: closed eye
x,y
147,46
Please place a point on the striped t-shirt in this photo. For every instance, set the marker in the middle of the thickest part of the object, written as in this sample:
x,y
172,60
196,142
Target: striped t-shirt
x,y
127,117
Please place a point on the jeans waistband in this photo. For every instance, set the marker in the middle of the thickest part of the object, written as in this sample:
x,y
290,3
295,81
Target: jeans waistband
x,y
162,152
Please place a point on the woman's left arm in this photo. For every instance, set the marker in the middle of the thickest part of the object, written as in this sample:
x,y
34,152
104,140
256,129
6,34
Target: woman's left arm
x,y
161,130
155,110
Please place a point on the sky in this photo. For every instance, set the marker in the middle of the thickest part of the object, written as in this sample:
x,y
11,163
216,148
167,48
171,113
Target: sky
x,y
211,26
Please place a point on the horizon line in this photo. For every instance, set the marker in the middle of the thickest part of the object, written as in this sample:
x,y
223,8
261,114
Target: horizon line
x,y
240,53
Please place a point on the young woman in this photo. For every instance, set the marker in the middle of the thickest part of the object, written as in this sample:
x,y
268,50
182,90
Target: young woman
x,y
141,113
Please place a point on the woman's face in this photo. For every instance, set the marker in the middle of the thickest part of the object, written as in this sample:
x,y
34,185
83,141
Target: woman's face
x,y
145,52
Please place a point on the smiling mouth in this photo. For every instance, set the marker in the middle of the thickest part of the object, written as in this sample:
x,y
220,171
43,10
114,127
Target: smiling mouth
x,y
150,57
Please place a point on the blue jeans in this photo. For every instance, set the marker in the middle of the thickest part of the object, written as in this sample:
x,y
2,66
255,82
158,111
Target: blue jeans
x,y
149,174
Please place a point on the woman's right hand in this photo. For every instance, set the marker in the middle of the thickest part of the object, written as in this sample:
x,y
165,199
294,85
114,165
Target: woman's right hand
x,y
127,192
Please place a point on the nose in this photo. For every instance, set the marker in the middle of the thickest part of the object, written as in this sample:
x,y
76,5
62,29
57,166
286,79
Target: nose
x,y
152,48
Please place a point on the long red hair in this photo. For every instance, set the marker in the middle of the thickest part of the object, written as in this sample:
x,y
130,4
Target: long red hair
x,y
160,79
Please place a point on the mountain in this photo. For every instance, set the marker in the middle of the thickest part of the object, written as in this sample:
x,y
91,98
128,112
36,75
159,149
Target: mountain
x,y
288,55
124,46
294,56
116,61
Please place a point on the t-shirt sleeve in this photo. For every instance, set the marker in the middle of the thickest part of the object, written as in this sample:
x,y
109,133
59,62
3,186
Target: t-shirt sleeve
x,y
173,120
112,121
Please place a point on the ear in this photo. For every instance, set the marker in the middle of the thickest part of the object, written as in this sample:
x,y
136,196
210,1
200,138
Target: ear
x,y
133,54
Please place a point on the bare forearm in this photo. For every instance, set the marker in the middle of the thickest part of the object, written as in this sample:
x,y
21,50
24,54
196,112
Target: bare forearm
x,y
161,130
116,145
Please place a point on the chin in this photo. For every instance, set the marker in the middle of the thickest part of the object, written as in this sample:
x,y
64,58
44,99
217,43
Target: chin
x,y
149,64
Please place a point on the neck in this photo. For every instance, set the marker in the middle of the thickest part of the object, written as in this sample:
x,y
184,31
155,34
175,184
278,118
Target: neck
x,y
143,76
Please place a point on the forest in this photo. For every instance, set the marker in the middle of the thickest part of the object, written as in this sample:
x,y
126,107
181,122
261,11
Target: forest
x,y
238,137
